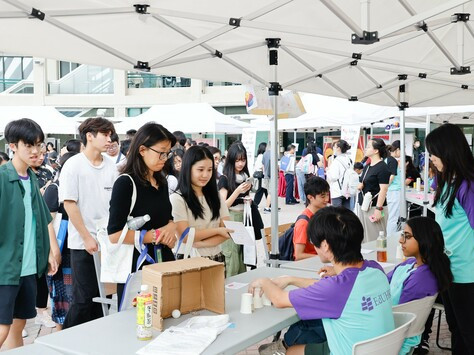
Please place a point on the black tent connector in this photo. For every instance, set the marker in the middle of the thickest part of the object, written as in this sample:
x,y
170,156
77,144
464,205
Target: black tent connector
x,y
367,38
273,42
461,70
353,98
460,17
357,56
403,105
464,87
143,66
402,76
379,86
319,76
274,88
37,14
401,88
233,21
218,54
354,63
422,75
141,8
423,27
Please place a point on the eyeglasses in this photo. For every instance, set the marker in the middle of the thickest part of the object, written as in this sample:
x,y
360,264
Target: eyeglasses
x,y
163,155
405,236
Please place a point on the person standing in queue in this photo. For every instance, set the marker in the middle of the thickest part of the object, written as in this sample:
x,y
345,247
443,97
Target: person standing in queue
x,y
454,202
150,149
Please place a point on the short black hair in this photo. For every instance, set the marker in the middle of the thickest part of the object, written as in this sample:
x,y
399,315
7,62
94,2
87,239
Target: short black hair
x,y
4,157
180,137
358,166
290,147
125,146
315,186
25,130
131,132
95,125
73,145
114,138
341,229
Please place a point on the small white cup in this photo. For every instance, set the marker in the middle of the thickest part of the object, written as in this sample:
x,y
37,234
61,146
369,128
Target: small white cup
x,y
246,302
266,300
257,299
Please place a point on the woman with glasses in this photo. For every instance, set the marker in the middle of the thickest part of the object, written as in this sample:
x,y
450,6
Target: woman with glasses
x,y
454,201
149,150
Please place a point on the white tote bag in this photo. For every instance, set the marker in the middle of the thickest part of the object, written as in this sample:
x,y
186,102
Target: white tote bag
x,y
250,251
116,258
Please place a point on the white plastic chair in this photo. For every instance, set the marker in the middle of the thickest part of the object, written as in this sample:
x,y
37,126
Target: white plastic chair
x,y
421,308
389,343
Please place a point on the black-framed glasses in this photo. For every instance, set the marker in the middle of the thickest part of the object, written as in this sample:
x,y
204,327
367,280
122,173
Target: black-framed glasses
x,y
405,236
163,155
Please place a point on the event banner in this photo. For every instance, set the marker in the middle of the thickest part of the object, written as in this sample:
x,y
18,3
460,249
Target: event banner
x,y
258,102
351,134
249,140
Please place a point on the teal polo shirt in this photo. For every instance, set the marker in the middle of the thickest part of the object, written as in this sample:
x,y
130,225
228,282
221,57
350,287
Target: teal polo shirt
x,y
12,222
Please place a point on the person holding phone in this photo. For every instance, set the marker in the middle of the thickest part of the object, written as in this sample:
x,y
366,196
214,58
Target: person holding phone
x,y
234,186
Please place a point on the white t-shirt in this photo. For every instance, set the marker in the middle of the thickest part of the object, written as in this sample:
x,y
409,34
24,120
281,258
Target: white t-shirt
x,y
91,188
181,212
172,184
119,158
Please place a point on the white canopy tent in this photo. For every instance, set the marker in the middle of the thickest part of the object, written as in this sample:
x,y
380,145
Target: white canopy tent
x,y
50,119
189,118
387,52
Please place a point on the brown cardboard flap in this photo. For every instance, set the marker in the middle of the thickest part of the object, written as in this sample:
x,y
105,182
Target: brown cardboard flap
x,y
212,287
172,267
190,291
171,294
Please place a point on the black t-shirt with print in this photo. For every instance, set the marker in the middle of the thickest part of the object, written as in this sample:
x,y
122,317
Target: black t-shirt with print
x,y
372,177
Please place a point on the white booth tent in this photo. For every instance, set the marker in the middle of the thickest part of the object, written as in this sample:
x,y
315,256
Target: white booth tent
x,y
50,119
395,53
189,118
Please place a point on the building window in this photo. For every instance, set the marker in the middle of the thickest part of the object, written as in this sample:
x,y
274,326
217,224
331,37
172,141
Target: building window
x,y
139,80
13,70
66,67
232,110
135,111
221,83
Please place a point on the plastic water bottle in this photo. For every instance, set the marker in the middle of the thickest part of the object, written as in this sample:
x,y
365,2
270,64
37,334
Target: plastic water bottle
x,y
381,245
137,222
144,314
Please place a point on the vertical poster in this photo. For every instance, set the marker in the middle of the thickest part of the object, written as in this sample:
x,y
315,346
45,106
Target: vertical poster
x,y
351,134
249,140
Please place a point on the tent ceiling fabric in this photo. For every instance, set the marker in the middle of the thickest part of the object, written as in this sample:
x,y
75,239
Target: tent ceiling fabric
x,y
195,39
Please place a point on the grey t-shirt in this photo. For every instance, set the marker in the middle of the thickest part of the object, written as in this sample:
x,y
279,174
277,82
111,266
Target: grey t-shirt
x,y
266,164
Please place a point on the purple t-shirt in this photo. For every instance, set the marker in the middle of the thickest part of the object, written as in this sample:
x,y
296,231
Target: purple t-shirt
x,y
354,305
408,283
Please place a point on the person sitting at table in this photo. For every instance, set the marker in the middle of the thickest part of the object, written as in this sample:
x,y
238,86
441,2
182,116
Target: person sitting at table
x,y
352,306
197,204
412,173
316,191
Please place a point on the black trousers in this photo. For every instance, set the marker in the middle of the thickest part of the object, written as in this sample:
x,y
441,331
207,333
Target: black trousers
x,y
84,289
458,304
42,292
259,194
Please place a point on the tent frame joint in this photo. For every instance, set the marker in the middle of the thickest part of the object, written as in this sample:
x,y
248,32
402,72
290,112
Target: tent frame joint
x,y
460,17
464,87
403,105
461,71
422,75
274,88
353,98
142,66
402,76
141,8
273,42
354,63
218,54
234,21
368,37
37,14
357,56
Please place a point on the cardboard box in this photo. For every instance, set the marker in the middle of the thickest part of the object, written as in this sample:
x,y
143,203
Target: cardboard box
x,y
188,285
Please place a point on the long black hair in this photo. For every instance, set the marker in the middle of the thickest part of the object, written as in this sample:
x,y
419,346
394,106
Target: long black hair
x,y
379,144
262,147
192,156
236,152
449,144
429,236
147,136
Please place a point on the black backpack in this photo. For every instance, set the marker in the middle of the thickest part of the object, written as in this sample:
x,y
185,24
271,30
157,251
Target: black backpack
x,y
285,242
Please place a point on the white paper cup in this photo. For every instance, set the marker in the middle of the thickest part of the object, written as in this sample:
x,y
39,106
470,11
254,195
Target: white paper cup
x,y
266,300
246,302
257,299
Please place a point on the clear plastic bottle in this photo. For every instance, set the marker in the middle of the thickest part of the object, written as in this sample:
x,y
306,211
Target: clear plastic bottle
x,y
381,245
144,314
137,222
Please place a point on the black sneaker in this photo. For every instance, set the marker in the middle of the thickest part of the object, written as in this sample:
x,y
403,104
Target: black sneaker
x,y
423,348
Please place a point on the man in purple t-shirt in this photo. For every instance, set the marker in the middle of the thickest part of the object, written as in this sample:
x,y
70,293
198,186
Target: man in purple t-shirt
x,y
351,305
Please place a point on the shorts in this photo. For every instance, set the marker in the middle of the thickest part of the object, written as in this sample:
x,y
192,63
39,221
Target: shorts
x,y
266,183
18,301
317,349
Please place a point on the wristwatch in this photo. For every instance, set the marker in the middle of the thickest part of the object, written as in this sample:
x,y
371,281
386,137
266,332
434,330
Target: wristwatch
x,y
379,208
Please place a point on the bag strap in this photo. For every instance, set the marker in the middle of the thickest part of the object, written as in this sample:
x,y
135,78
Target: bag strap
x,y
132,205
189,243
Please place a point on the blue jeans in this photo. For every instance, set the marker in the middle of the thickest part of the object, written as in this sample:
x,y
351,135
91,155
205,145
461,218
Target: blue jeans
x,y
301,179
305,332
290,183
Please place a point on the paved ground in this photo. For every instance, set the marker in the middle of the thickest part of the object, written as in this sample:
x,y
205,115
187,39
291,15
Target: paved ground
x,y
287,214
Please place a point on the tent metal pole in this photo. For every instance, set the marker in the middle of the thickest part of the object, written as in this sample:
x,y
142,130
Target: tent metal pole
x,y
403,204
371,131
348,21
390,134
425,175
294,136
214,138
365,14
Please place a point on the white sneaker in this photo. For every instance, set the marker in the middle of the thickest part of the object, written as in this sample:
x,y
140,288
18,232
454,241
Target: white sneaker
x,y
45,319
24,333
